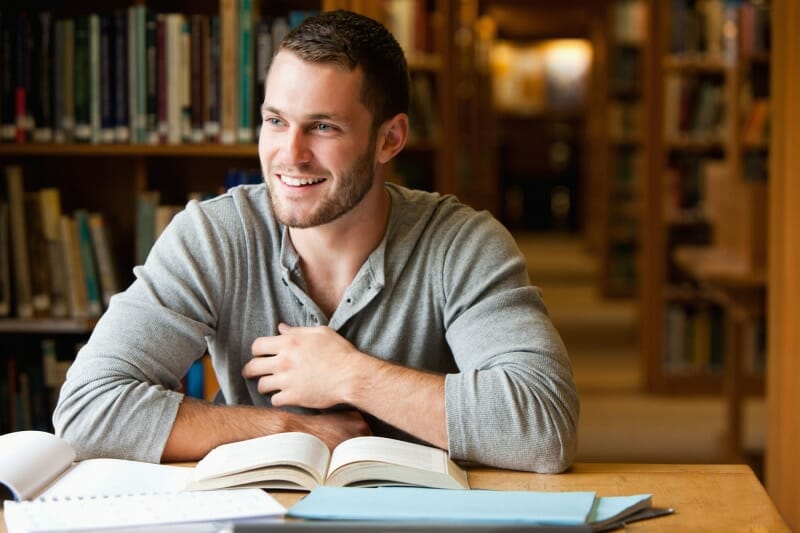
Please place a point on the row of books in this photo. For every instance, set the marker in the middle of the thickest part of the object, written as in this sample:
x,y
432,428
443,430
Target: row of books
x,y
134,75
720,29
33,371
31,375
52,264
694,338
689,179
58,265
152,215
694,107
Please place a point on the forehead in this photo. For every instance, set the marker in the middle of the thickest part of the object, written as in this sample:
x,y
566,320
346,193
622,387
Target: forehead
x,y
305,88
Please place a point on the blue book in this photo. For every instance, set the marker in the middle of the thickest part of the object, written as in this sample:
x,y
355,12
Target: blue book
x,y
84,238
468,506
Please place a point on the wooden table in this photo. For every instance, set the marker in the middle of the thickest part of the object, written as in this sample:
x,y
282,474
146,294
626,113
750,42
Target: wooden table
x,y
705,497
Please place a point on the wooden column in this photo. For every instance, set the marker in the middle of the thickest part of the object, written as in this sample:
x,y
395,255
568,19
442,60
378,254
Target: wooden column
x,y
783,361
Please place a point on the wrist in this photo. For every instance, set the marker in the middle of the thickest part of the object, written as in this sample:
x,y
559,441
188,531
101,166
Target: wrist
x,y
366,374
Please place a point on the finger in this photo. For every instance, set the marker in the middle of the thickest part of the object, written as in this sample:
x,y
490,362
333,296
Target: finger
x,y
268,384
258,366
265,346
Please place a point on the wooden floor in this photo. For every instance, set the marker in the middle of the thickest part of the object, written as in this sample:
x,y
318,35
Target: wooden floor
x,y
620,422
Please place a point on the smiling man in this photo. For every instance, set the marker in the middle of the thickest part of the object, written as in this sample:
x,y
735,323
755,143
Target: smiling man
x,y
330,301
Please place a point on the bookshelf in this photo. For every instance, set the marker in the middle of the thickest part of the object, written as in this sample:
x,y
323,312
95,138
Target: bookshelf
x,y
186,155
625,120
704,228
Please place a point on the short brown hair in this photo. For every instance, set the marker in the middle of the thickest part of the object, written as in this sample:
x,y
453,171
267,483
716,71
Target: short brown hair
x,y
352,40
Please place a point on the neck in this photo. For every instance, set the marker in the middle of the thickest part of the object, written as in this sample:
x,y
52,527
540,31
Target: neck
x,y
331,255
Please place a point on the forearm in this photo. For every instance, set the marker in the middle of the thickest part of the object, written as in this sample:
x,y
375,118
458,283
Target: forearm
x,y
409,399
201,426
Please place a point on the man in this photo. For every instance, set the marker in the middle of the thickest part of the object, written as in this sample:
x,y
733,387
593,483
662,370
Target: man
x,y
330,301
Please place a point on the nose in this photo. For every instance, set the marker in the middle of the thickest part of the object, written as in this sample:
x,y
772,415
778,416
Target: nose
x,y
296,146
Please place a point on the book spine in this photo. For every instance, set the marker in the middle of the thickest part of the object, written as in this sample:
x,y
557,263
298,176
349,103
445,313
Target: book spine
x,y
84,237
37,256
161,89
132,74
42,103
196,63
68,83
8,128
122,130
141,75
229,70
105,258
76,286
22,89
212,125
245,71
50,210
146,204
19,250
151,60
185,80
94,78
5,262
107,79
58,82
174,25
83,127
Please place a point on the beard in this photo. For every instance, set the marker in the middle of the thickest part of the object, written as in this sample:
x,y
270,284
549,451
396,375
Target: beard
x,y
350,188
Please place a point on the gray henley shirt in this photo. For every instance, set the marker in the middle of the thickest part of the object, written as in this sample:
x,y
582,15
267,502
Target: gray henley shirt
x,y
447,290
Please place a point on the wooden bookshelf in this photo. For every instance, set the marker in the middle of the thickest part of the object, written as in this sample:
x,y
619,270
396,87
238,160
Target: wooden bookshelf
x,y
109,177
782,472
704,227
624,155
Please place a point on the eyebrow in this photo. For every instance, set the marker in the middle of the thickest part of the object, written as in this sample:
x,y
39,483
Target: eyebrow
x,y
313,116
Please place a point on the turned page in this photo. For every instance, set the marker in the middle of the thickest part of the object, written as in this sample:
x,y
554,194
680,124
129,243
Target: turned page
x,y
31,460
380,449
296,449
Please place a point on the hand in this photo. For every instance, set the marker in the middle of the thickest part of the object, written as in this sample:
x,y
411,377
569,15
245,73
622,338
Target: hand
x,y
307,366
333,428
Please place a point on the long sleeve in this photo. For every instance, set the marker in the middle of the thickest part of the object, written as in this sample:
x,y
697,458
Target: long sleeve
x,y
513,403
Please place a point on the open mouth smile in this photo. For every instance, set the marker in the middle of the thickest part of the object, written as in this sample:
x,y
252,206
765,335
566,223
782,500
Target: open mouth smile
x,y
299,182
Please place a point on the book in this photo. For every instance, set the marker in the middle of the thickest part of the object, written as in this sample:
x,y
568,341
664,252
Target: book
x,y
229,70
5,263
19,248
398,504
38,261
106,263
46,490
50,210
77,298
301,461
87,257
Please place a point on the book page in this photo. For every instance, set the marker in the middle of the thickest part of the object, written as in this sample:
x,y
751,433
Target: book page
x,y
117,477
292,448
384,450
30,460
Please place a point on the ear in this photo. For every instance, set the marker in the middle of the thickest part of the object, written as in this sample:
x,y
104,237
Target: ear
x,y
392,137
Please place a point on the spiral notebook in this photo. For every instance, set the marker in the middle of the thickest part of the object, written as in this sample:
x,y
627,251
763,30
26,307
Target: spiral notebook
x,y
137,510
46,490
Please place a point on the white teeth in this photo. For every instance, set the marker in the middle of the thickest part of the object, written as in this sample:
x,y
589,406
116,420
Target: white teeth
x,y
297,182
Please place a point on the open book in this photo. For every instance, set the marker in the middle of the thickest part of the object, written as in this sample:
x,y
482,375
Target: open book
x,y
301,461
48,491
